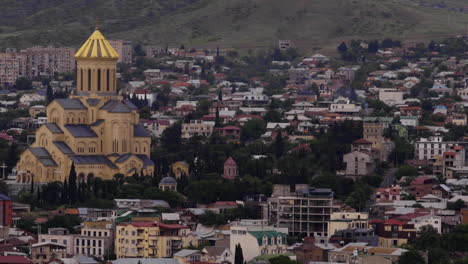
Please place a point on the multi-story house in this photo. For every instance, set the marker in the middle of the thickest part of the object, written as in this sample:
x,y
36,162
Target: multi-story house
x,y
305,211
256,238
96,239
388,194
42,253
345,220
151,240
197,128
58,236
428,148
393,233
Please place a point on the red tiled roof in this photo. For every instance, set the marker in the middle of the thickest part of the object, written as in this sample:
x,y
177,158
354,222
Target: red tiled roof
x,y
14,259
222,203
230,128
171,226
420,180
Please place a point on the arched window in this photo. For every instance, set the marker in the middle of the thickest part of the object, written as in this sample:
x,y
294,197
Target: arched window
x,y
81,79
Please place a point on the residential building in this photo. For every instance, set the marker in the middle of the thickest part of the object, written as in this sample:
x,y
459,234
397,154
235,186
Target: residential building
x,y
362,253
10,68
345,220
125,50
95,239
257,239
393,233
391,96
353,235
304,211
428,148
425,220
392,193
186,256
151,240
218,254
42,253
344,106
359,164
46,61
197,128
412,121
310,251
284,44
95,129
58,236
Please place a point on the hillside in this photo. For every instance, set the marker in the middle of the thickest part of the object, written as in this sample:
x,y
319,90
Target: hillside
x,y
238,23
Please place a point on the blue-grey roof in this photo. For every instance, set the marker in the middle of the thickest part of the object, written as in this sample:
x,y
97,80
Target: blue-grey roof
x,y
146,161
130,104
40,152
123,158
93,101
97,122
80,130
54,128
119,108
168,180
109,104
93,159
4,197
49,162
140,131
71,103
64,148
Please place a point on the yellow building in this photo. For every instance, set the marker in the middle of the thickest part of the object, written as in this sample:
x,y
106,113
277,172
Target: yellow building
x,y
180,168
151,240
95,128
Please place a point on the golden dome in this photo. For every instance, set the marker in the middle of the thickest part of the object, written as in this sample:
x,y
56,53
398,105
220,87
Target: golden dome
x,y
96,47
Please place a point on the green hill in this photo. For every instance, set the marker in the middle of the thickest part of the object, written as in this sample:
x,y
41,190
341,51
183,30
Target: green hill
x,y
237,23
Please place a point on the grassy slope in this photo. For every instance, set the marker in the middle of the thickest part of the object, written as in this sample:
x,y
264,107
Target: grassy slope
x,y
241,23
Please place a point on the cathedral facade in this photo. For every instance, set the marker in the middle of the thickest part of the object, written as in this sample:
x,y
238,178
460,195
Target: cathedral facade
x,y
95,128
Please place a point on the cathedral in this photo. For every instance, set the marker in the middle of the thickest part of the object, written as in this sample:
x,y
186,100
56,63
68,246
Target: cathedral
x,y
95,128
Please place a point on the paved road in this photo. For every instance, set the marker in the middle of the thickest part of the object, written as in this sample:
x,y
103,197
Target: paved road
x,y
389,178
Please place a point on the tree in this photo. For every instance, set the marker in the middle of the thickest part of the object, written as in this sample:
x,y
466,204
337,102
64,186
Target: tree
x,y
342,48
253,129
359,197
238,255
50,94
411,257
407,170
22,83
72,195
457,206
427,238
172,137
282,259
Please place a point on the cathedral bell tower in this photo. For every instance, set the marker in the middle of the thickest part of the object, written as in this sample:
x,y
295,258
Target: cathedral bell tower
x,y
96,67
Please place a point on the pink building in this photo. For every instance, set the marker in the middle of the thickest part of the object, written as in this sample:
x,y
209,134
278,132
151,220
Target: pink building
x,y
230,169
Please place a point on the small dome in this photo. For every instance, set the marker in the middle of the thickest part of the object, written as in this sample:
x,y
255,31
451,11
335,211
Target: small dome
x,y
168,180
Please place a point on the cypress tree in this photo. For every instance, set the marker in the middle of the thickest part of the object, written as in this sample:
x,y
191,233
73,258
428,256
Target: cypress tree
x,y
238,255
32,184
64,196
72,185
49,93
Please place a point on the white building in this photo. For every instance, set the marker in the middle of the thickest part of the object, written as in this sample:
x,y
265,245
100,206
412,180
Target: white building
x,y
391,96
197,127
428,148
344,106
409,121
257,238
432,220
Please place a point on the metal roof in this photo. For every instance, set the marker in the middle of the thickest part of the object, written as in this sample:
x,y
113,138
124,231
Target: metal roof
x,y
140,131
71,103
93,159
80,130
40,152
54,128
63,147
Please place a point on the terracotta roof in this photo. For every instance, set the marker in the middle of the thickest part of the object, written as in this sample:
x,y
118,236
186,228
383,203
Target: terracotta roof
x,y
14,259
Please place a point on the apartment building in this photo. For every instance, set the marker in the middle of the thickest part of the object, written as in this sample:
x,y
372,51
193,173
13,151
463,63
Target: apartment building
x,y
46,61
346,220
305,211
197,128
58,236
124,49
95,239
9,68
151,240
428,148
